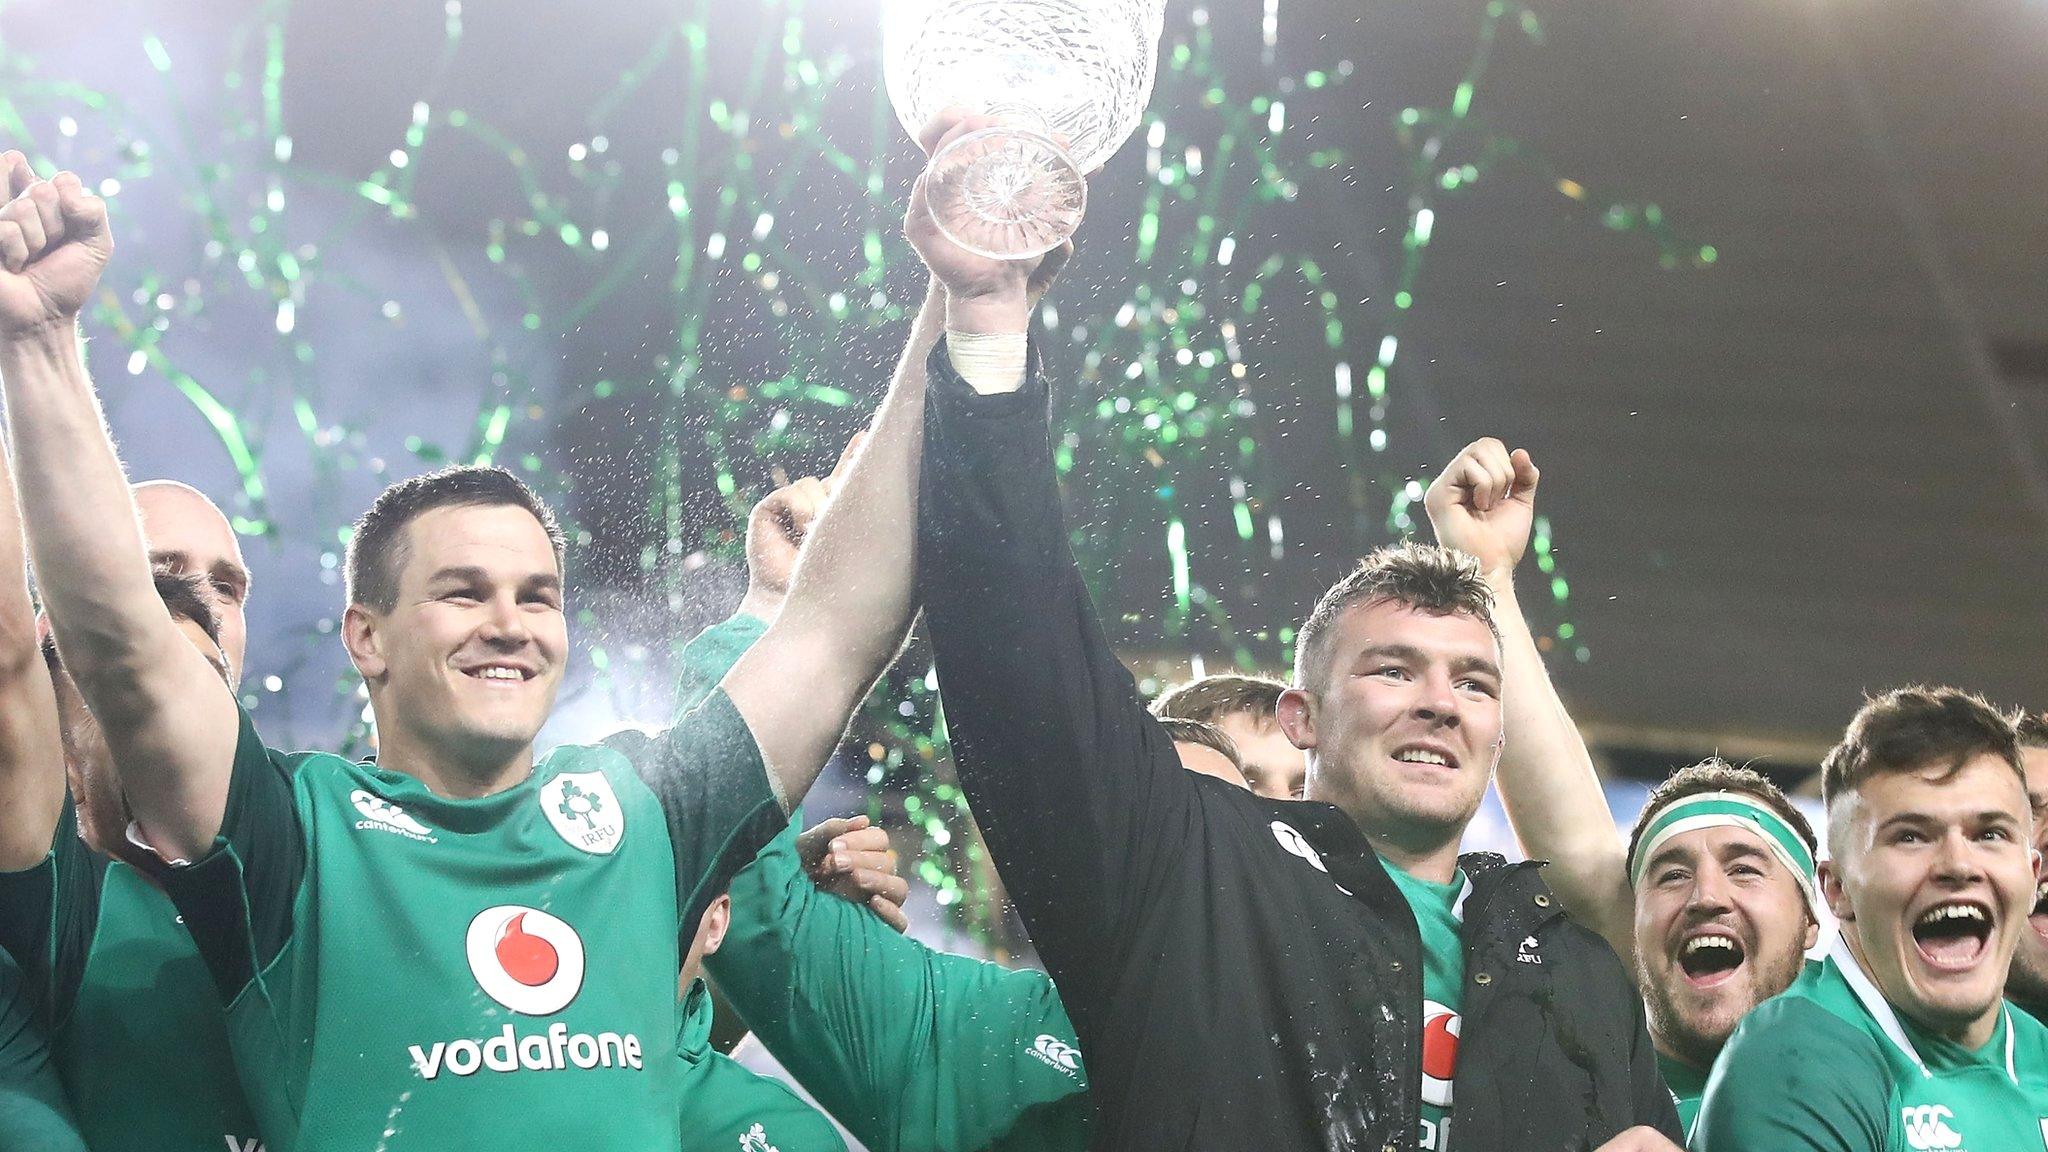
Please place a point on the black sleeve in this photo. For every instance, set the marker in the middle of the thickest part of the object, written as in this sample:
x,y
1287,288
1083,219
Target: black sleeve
x,y
706,771
47,917
1076,786
237,902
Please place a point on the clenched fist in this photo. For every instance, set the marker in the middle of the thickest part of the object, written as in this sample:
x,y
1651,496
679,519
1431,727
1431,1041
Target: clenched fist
x,y
1484,504
54,242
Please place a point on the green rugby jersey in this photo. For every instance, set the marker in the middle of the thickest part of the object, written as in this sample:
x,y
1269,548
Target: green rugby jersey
x,y
136,1029
725,1106
406,971
1687,1083
913,1049
1438,909
1830,1067
34,1116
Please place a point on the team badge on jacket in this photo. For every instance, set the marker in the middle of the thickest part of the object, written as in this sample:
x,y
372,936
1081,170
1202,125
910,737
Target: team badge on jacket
x,y
583,808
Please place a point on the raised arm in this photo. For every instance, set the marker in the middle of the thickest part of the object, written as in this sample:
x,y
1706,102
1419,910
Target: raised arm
x,y
852,598
854,593
31,756
1484,504
170,723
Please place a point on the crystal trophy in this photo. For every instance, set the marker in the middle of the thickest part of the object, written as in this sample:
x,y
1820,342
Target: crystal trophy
x,y
1069,79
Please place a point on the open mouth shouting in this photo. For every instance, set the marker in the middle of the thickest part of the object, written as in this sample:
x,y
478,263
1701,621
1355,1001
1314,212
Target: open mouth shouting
x,y
1954,935
1711,956
2038,918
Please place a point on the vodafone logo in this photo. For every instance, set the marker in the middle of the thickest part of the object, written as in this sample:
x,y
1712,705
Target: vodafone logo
x,y
528,960
1439,1052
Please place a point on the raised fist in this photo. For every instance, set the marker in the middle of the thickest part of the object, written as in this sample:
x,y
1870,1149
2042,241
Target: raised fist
x,y
54,242
1484,504
777,529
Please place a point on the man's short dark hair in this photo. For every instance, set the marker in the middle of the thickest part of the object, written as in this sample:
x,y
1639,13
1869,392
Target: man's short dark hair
x,y
2032,729
185,596
1207,735
1212,698
1425,577
377,547
190,597
1717,775
1915,728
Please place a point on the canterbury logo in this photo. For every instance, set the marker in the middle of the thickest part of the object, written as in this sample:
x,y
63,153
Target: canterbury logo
x,y
1056,1053
1927,1127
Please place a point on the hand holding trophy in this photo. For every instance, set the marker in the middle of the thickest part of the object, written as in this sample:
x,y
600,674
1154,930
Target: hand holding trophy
x,y
1078,71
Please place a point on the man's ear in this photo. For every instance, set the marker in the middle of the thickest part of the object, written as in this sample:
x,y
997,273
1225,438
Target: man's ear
x,y
1296,713
361,634
1831,892
717,921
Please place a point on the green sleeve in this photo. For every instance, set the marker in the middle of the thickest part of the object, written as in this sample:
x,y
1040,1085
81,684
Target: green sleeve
x,y
914,1050
33,1114
711,655
48,915
1796,1078
238,901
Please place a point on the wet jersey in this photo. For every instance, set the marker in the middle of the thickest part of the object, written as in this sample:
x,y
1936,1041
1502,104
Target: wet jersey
x,y
407,971
136,1027
1437,908
1830,1067
727,1107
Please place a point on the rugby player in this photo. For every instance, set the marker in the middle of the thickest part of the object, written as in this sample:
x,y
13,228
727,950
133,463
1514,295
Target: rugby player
x,y
1246,709
2027,986
1246,972
1900,1038
1711,901
134,1021
528,913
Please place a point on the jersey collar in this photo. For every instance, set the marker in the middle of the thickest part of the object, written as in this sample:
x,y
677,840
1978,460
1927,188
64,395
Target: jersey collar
x,y
1881,1010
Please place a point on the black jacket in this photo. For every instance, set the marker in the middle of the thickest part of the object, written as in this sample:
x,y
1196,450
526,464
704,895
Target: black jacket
x,y
1242,972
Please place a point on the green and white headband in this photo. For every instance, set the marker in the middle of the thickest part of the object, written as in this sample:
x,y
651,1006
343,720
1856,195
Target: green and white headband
x,y
1729,810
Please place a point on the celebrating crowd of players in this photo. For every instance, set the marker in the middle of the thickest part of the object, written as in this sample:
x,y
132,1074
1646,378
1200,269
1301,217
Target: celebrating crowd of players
x,y
1249,898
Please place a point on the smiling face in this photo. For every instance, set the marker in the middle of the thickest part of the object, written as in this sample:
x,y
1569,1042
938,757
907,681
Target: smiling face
x,y
1405,729
1720,927
2028,983
464,668
1933,877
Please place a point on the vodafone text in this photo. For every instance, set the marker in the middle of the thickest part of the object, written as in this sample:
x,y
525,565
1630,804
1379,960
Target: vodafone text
x,y
553,1051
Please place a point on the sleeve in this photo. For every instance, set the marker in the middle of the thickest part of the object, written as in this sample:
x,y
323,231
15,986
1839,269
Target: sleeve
x,y
238,901
1795,1078
914,1050
47,917
34,1116
1075,785
706,771
707,659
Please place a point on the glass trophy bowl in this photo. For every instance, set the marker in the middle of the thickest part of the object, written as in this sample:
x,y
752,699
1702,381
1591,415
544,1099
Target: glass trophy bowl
x,y
1069,79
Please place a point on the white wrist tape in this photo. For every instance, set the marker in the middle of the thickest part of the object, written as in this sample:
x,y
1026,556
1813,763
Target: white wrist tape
x,y
992,363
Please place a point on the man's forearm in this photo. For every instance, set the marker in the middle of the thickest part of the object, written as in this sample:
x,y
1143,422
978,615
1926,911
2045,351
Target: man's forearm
x,y
1549,787
854,591
31,754
80,520
169,722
